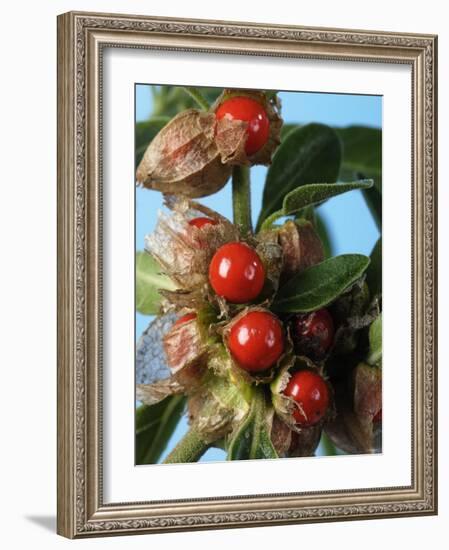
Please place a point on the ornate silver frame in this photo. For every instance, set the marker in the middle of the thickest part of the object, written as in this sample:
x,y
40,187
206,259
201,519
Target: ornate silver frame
x,y
81,38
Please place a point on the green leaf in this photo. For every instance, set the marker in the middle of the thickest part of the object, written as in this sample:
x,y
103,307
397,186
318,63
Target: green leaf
x,y
145,133
362,151
373,200
362,158
374,271
317,286
312,194
308,154
148,281
155,425
286,129
375,342
252,438
315,193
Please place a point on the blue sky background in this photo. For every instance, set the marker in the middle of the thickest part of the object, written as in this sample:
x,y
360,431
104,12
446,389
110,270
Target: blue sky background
x,y
347,216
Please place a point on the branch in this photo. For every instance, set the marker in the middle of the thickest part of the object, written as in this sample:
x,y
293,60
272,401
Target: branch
x,y
191,447
241,197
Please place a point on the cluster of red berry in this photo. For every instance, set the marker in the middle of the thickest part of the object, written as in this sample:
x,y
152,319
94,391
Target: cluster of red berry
x,y
257,340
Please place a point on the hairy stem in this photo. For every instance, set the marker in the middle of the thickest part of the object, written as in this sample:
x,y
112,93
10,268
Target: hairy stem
x,y
241,197
195,94
191,447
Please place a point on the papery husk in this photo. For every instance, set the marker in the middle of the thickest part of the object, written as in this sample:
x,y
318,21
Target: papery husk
x,y
285,406
265,153
270,252
352,312
184,251
151,362
281,435
184,344
217,408
185,381
230,139
301,247
358,399
183,158
263,377
162,369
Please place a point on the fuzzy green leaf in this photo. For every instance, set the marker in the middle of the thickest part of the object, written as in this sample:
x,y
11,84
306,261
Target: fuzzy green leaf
x,y
308,154
320,284
315,193
148,281
252,438
155,425
312,194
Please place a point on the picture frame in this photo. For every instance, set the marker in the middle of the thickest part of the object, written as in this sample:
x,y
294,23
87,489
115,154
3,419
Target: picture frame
x,y
82,41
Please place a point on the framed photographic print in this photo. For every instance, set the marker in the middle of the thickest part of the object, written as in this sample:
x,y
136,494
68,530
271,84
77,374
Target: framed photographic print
x,y
247,274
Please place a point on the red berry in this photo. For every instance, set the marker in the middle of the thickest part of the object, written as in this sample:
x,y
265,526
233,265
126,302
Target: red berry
x,y
314,332
251,111
236,273
256,341
184,319
201,222
310,391
378,416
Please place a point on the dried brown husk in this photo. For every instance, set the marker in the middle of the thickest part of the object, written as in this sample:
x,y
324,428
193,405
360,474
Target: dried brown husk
x,y
225,127
358,400
184,251
351,312
281,435
270,252
301,247
184,354
217,408
183,158
284,361
285,406
184,344
185,381
151,363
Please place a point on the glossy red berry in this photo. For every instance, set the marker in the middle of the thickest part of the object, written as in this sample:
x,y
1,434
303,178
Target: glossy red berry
x,y
184,319
236,273
252,112
201,222
256,341
314,332
310,391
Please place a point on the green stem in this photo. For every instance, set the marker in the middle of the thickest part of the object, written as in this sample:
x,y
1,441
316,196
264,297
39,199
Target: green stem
x,y
241,197
329,448
195,94
268,223
191,447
